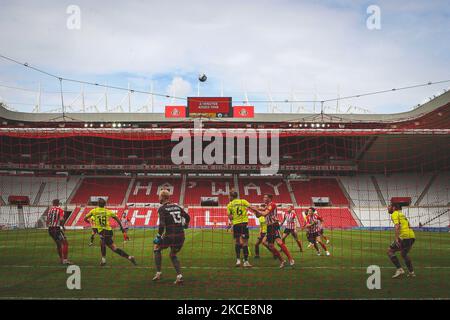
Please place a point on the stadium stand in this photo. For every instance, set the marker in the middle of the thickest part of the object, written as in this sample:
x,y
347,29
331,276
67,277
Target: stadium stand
x,y
20,186
58,188
373,216
27,217
428,217
304,191
113,189
402,185
253,188
146,190
198,188
439,192
361,190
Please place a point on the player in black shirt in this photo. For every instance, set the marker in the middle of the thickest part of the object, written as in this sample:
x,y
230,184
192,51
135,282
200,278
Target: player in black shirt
x,y
172,222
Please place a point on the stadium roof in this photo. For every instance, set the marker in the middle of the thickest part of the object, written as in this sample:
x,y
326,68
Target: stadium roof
x,y
440,102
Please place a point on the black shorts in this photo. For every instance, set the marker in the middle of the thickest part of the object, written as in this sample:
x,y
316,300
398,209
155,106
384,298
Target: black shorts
x,y
241,230
404,246
95,230
289,231
175,241
56,233
321,232
261,235
273,232
312,236
106,237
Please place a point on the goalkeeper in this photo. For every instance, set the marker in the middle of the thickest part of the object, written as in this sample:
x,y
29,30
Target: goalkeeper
x,y
172,222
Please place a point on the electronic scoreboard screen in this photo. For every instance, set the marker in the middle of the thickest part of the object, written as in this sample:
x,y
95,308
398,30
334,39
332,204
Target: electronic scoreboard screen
x,y
210,107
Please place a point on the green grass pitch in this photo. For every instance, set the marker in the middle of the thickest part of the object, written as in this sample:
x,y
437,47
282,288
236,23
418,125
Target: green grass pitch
x,y
29,268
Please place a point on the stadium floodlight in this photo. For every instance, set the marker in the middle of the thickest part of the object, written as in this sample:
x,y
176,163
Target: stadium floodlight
x,y
119,125
114,125
86,125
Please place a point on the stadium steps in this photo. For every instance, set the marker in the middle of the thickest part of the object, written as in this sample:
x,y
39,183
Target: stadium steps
x,y
183,188
42,221
344,191
425,190
379,193
364,149
291,192
355,217
21,217
436,217
127,194
350,201
74,191
236,184
37,199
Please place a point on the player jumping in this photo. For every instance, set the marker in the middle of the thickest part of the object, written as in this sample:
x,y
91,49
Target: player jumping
x,y
101,217
290,217
404,240
313,227
321,227
172,222
238,218
273,229
55,224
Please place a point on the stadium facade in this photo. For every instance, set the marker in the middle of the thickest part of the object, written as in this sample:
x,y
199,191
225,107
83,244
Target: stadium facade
x,y
351,165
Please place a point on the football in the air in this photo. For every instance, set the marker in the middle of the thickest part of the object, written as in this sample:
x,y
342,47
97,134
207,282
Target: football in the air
x,y
202,77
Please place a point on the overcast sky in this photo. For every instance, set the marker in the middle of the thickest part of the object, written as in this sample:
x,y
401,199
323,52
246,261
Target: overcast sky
x,y
293,49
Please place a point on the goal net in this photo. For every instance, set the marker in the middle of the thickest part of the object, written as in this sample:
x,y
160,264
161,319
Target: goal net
x,y
340,250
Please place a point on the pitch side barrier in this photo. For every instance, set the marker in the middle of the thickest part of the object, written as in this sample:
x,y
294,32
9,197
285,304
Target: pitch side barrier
x,y
422,229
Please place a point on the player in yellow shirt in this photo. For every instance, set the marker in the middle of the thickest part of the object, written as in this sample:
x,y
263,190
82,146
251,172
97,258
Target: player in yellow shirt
x,y
404,240
101,217
94,230
262,239
238,217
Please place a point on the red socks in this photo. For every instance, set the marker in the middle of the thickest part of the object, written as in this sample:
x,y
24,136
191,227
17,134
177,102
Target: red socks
x,y
65,249
277,254
286,251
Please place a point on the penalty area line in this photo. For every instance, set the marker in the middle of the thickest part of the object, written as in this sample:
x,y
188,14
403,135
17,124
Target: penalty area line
x,y
215,267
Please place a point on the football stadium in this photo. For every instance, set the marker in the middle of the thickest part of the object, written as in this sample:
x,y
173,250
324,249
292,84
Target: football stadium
x,y
202,150
348,167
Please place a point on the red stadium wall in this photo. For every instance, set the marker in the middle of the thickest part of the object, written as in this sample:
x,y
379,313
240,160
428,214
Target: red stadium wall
x,y
113,188
305,190
207,187
253,189
145,190
208,217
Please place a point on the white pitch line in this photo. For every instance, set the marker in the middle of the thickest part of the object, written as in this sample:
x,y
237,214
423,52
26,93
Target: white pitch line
x,y
217,268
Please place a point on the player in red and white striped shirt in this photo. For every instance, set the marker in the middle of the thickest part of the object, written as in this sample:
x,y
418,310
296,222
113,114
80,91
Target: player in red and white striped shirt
x,y
125,224
313,226
273,229
55,224
290,218
321,225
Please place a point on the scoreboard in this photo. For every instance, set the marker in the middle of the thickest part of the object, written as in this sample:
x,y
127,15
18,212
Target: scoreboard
x,y
210,107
